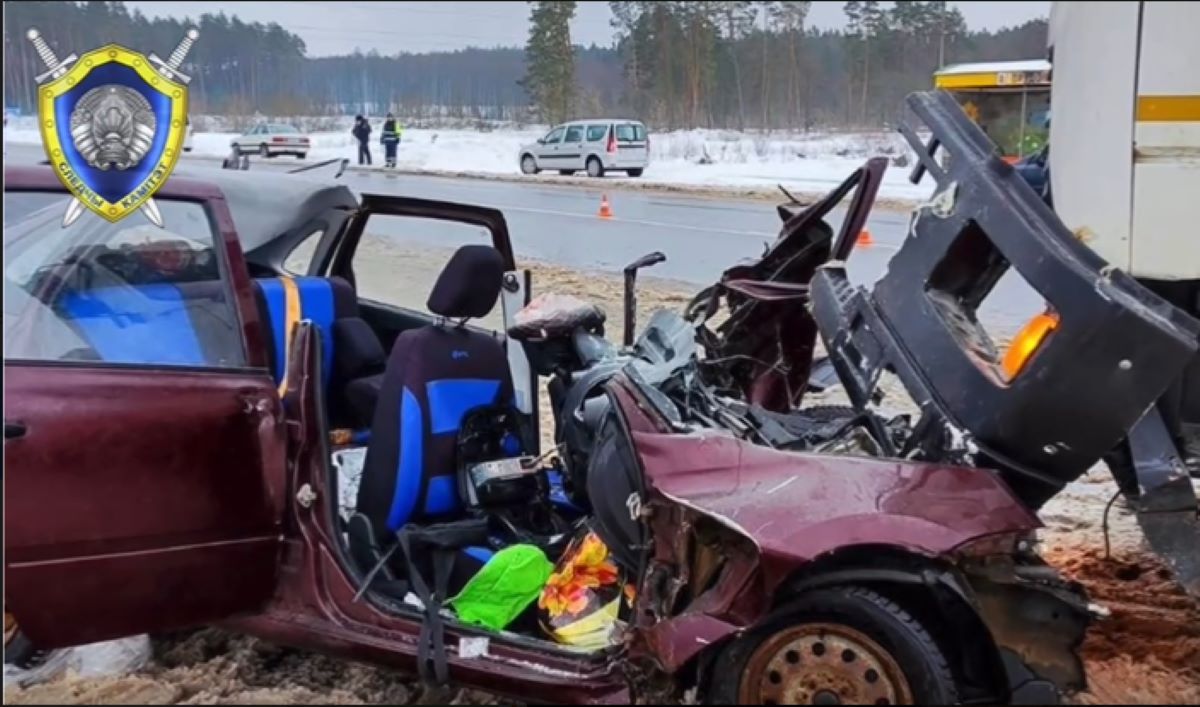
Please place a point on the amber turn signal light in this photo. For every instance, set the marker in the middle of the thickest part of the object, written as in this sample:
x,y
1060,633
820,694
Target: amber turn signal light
x,y
1026,342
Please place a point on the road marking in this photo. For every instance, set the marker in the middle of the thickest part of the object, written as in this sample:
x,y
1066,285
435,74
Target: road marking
x,y
636,222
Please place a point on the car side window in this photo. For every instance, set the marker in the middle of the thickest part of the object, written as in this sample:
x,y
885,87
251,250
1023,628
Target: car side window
x,y
574,134
554,136
399,258
122,293
596,132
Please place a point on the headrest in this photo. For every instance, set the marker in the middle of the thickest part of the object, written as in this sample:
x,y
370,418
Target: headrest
x,y
469,284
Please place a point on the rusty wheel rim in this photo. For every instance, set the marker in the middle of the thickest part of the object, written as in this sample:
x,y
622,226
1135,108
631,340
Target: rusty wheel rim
x,y
823,664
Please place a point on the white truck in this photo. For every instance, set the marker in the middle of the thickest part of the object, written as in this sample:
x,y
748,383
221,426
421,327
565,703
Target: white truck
x,y
1125,154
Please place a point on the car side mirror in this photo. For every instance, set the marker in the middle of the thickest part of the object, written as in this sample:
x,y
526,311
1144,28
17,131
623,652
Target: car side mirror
x,y
541,141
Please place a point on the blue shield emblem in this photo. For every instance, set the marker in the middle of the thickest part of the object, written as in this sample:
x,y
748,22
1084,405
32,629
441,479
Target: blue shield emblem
x,y
113,128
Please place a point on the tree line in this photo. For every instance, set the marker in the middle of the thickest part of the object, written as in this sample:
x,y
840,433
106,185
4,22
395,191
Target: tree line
x,y
739,64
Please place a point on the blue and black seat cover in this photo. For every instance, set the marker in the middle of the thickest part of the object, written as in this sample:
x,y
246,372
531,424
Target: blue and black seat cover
x,y
185,324
434,376
190,324
352,356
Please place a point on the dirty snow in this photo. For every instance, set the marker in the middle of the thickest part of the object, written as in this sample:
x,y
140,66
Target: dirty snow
x,y
1146,652
804,163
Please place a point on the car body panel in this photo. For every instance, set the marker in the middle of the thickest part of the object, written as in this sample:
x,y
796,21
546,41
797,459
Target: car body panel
x,y
796,507
157,524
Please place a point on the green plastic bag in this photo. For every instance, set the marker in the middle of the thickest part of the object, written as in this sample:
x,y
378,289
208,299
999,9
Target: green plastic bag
x,y
506,585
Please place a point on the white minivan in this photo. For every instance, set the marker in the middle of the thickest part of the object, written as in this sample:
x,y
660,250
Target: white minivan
x,y
597,146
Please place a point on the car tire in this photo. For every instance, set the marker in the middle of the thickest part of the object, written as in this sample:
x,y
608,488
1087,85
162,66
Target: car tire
x,y
851,643
634,172
264,151
566,172
187,149
301,155
595,168
529,165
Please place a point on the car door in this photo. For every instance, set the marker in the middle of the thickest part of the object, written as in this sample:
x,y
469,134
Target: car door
x,y
392,252
571,153
633,144
547,154
144,444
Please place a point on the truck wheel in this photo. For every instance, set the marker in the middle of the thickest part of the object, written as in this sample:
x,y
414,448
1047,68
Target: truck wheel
x,y
528,165
846,645
594,167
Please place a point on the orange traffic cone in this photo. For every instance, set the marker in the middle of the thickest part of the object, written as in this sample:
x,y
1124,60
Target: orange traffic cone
x,y
864,240
605,209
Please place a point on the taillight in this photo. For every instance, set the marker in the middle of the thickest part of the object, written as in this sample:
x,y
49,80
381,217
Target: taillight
x,y
1027,341
278,139
612,142
304,140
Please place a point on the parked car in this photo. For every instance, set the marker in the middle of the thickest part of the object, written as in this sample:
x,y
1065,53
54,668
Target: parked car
x,y
173,405
271,139
187,136
597,146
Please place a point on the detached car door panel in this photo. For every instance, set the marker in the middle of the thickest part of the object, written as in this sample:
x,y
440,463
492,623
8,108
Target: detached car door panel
x,y
143,481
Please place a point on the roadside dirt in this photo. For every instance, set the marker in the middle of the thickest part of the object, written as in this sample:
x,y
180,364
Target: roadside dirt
x,y
1147,652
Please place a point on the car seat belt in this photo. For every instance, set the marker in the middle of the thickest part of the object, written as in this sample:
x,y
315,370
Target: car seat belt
x,y
291,317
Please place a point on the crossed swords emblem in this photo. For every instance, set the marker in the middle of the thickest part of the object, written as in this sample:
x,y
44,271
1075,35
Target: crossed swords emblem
x,y
168,69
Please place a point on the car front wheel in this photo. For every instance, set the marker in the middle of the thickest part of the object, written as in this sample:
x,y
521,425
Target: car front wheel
x,y
301,155
594,167
264,151
846,645
529,165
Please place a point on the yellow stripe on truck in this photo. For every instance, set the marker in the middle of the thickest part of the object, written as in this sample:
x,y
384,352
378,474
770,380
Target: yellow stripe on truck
x,y
291,297
1168,109
984,80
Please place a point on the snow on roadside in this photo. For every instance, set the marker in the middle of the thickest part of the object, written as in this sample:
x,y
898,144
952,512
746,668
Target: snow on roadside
x,y
688,158
107,658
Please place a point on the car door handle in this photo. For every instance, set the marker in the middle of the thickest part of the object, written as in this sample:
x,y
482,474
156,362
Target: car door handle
x,y
13,430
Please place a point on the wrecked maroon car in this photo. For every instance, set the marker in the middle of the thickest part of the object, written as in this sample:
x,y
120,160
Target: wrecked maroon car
x,y
183,415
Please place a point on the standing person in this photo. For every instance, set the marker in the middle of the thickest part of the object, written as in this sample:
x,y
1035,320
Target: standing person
x,y
362,132
390,137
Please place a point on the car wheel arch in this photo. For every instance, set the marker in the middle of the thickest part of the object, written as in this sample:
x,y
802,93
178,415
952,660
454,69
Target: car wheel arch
x,y
929,589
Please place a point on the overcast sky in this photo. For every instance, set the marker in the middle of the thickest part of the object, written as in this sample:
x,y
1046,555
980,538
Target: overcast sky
x,y
390,27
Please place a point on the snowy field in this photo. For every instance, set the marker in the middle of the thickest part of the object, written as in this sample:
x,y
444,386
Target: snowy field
x,y
705,159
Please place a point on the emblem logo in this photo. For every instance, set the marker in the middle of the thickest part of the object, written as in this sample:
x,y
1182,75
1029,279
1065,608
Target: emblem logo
x,y
113,124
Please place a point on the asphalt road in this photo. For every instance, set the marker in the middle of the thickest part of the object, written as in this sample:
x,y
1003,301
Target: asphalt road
x,y
701,236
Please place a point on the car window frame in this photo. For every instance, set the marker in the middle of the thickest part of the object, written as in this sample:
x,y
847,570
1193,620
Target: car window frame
x,y
560,129
582,133
246,365
602,127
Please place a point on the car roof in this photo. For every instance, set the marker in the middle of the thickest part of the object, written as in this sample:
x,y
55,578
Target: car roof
x,y
264,206
593,121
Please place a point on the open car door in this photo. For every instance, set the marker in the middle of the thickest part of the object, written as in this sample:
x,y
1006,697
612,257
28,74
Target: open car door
x,y
139,423
392,251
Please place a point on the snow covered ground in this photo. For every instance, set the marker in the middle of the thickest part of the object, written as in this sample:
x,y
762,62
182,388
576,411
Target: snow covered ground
x,y
692,158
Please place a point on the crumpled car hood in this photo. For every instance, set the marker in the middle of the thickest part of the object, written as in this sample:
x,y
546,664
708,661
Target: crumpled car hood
x,y
796,507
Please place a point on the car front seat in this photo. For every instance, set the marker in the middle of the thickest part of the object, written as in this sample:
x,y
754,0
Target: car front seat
x,y
434,376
